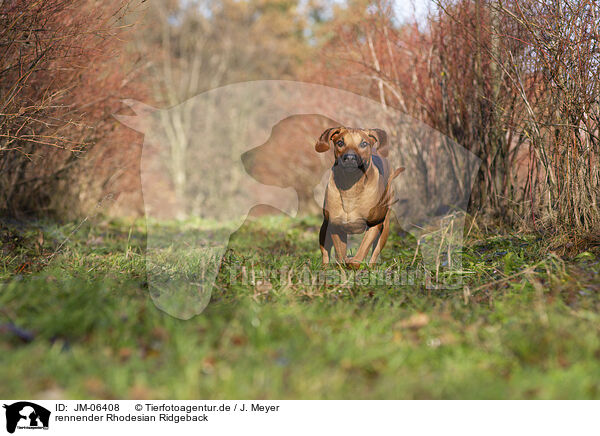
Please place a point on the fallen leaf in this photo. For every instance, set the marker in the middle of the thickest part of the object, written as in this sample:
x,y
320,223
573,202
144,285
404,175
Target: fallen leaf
x,y
415,322
125,353
238,340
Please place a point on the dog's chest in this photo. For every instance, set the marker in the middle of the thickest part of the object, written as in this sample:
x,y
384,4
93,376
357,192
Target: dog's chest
x,y
351,209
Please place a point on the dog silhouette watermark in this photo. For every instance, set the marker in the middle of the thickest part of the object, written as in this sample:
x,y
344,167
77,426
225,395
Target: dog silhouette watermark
x,y
202,149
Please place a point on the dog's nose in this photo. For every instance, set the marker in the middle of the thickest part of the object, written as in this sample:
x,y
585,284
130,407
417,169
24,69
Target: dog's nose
x,y
349,157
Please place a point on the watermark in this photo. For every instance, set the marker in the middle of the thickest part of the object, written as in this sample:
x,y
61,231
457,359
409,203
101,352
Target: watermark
x,y
200,160
306,277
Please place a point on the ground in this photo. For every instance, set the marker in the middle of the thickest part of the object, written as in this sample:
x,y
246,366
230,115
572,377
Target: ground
x,y
76,321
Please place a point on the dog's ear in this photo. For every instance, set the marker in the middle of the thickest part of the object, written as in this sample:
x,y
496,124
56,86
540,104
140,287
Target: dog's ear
x,y
381,138
322,144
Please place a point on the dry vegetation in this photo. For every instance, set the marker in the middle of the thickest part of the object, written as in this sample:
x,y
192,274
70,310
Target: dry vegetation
x,y
516,83
62,74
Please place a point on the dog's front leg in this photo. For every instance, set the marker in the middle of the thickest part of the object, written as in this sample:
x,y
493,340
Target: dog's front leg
x,y
370,236
325,242
340,242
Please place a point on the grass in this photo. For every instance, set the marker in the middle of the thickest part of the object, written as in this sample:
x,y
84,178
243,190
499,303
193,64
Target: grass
x,y
77,321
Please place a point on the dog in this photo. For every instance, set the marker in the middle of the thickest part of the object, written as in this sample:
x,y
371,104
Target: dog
x,y
359,193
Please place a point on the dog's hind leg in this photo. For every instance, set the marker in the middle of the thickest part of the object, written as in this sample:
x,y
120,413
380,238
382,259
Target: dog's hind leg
x,y
325,242
379,242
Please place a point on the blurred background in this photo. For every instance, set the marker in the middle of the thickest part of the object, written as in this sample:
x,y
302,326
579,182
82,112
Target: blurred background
x,y
515,83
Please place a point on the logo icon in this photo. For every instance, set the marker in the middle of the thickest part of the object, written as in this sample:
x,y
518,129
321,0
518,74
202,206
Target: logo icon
x,y
26,415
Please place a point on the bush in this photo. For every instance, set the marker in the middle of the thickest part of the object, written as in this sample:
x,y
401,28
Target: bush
x,y
61,77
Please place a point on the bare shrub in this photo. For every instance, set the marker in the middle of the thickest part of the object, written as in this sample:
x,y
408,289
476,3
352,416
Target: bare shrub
x,y
562,38
61,76
548,56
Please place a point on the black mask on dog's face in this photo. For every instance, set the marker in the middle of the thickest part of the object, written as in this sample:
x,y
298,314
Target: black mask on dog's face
x,y
352,148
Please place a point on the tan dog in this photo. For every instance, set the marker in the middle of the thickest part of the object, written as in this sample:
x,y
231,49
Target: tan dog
x,y
359,193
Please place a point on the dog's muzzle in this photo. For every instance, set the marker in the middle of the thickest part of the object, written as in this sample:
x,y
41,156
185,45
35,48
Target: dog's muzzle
x,y
350,160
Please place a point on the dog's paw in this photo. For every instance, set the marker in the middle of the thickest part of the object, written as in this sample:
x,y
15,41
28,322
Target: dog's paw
x,y
353,264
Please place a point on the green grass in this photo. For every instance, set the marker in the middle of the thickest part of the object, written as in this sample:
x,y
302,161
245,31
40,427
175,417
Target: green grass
x,y
76,320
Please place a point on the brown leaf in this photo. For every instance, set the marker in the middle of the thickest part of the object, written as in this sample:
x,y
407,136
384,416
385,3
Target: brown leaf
x,y
125,353
160,333
238,340
415,322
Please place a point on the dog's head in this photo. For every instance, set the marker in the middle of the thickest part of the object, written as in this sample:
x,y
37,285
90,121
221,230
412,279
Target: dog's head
x,y
353,148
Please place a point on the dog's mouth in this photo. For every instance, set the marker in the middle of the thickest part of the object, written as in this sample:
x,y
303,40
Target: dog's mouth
x,y
353,165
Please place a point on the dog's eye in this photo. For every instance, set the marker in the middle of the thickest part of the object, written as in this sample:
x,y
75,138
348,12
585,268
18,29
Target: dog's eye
x,y
340,143
364,144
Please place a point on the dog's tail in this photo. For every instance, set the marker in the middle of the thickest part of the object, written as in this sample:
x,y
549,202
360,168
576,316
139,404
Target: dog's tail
x,y
395,174
386,200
